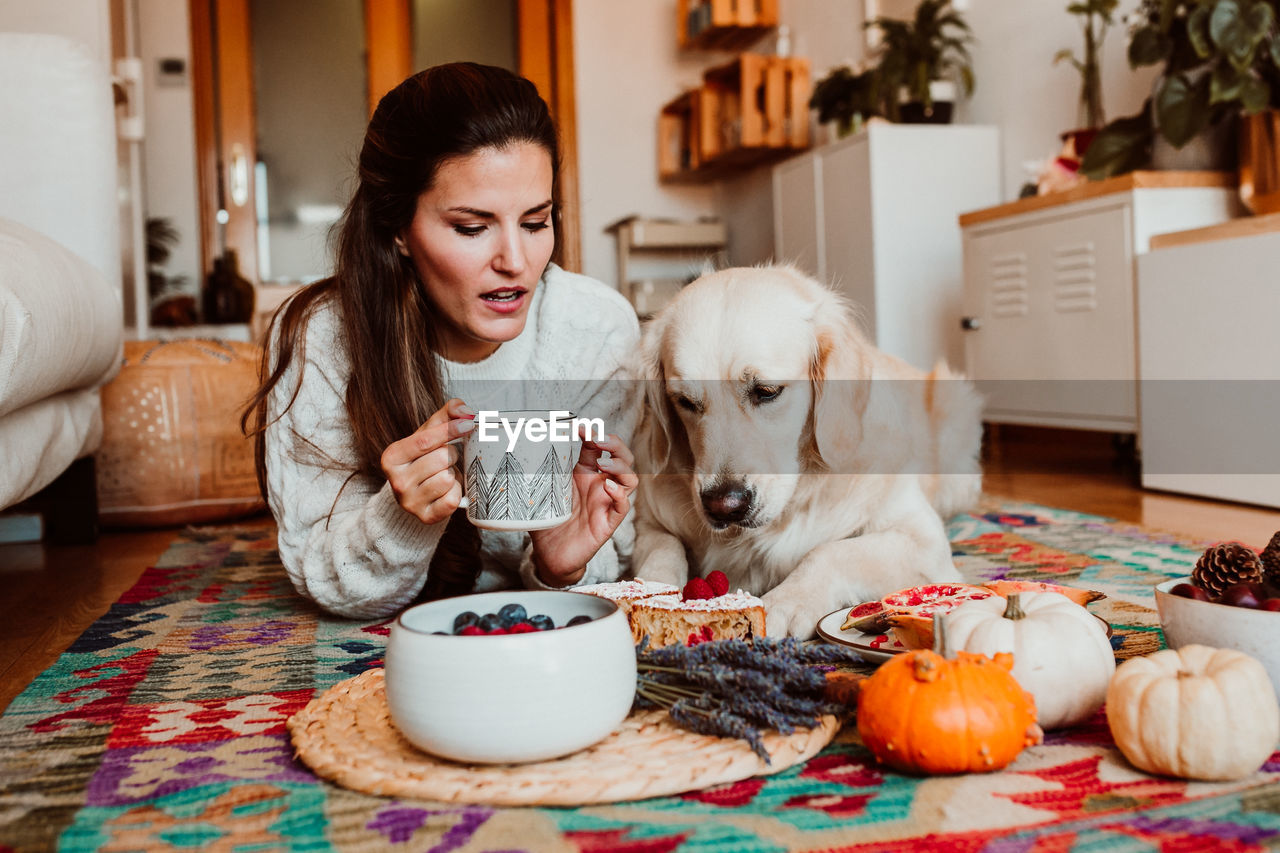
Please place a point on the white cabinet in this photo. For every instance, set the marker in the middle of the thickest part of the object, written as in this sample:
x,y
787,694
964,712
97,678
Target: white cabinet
x,y
1049,294
1209,356
875,216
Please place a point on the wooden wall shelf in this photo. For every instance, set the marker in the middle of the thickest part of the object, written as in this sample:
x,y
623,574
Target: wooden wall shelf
x,y
724,24
748,112
681,126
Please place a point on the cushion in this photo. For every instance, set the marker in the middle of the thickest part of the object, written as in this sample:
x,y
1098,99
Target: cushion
x,y
60,321
172,451
41,439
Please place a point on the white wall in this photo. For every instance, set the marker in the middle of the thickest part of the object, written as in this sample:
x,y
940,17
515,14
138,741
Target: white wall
x,y
828,33
1019,90
626,67
86,21
162,26
169,149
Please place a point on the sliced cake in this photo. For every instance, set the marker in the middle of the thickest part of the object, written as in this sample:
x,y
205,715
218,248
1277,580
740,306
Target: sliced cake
x,y
626,593
703,610
669,619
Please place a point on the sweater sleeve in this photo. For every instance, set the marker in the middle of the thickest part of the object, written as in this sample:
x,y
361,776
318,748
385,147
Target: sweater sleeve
x,y
344,540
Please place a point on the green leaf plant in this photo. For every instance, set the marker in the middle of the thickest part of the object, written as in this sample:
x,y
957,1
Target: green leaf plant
x,y
1221,59
1096,17
932,45
847,96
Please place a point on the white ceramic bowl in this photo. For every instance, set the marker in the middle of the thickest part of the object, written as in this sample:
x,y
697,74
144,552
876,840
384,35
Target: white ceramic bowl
x,y
515,697
1187,621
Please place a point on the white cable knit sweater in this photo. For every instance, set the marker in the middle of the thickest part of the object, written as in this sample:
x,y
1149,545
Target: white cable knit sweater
x,y
369,558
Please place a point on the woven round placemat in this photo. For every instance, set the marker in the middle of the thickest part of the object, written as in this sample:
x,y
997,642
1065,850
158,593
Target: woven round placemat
x,y
346,735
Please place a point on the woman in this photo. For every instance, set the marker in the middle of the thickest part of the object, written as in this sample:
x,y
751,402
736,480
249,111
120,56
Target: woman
x,y
443,292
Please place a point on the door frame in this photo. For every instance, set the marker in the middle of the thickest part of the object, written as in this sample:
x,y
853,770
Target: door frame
x,y
546,58
222,90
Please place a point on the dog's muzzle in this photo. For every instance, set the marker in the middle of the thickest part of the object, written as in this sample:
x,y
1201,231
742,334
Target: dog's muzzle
x,y
728,503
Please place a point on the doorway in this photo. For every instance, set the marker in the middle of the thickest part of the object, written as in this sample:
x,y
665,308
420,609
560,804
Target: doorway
x,y
283,89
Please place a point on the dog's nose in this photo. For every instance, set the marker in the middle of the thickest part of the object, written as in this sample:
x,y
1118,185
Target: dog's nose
x,y
727,503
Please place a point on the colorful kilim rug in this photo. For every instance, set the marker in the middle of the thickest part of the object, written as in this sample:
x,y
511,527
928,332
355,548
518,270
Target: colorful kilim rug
x,y
163,728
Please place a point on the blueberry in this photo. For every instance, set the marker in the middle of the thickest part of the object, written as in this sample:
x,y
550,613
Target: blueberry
x,y
490,621
510,614
463,620
542,622
440,633
580,619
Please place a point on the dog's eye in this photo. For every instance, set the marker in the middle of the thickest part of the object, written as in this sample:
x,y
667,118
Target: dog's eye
x,y
765,393
687,403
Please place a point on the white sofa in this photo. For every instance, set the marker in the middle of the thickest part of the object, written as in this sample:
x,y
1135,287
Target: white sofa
x,y
61,317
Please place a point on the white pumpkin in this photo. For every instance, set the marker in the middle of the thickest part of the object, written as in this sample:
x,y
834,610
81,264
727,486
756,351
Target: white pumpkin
x,y
1194,713
1061,654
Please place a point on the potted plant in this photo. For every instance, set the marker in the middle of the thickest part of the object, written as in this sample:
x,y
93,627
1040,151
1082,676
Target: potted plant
x,y
1221,64
847,96
1096,17
920,61
169,305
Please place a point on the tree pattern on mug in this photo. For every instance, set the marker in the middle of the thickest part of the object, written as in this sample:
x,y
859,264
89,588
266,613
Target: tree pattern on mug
x,y
562,494
509,491
478,489
542,489
516,496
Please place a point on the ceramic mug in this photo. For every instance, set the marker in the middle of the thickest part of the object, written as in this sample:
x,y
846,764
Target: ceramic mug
x,y
517,468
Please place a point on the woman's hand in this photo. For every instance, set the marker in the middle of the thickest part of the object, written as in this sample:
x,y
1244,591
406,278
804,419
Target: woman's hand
x,y
601,497
420,467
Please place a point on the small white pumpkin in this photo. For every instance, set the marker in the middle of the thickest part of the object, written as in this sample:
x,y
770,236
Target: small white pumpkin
x,y
1194,713
1061,654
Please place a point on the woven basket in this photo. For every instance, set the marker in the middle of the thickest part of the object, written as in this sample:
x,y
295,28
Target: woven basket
x,y
172,451
346,735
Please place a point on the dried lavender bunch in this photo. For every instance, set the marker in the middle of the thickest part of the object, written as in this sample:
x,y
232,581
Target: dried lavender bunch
x,y
732,688
703,717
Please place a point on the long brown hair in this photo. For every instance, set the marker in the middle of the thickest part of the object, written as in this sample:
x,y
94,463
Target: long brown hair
x,y
388,324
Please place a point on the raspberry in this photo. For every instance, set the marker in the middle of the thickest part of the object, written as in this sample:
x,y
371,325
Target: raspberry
x,y
471,630
497,631
719,582
702,635
697,588
521,628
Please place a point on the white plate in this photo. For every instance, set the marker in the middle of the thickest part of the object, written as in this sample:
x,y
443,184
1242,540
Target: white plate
x,y
829,630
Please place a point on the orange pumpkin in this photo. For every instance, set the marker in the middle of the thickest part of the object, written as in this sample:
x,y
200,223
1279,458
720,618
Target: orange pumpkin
x,y
922,713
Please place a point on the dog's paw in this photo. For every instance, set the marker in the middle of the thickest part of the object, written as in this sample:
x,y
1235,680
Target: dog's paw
x,y
787,616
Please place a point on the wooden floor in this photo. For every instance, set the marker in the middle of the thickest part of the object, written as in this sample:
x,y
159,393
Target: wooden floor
x,y
1082,471
52,594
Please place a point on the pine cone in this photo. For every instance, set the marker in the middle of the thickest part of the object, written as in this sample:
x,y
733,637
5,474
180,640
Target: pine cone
x,y
1224,564
1271,561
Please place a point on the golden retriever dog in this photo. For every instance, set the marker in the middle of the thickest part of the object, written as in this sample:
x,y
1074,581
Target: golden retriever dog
x,y
782,448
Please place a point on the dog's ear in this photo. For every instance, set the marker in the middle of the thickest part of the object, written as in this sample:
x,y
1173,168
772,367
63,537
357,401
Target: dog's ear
x,y
840,381
658,421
